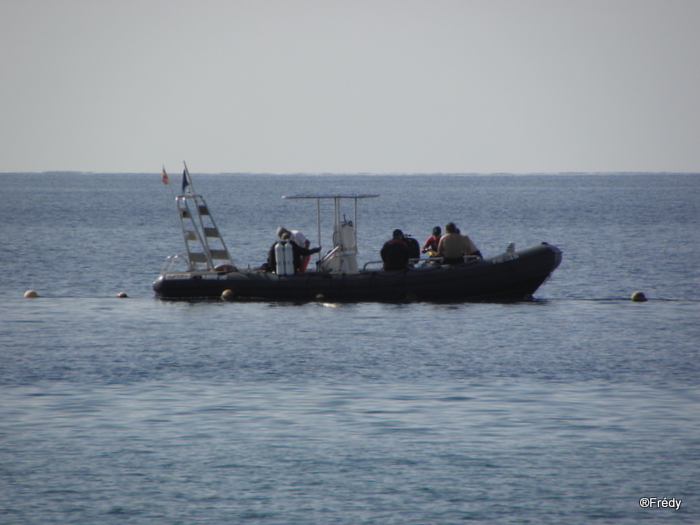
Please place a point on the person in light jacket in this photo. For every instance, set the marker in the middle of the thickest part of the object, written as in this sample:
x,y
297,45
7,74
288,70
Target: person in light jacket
x,y
454,246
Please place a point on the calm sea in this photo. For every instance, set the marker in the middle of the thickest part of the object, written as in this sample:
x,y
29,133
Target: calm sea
x,y
569,409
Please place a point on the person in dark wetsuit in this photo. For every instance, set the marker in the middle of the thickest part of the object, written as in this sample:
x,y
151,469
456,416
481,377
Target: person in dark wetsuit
x,y
395,252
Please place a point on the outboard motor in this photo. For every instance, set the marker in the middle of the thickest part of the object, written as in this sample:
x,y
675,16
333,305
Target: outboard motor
x,y
343,256
284,257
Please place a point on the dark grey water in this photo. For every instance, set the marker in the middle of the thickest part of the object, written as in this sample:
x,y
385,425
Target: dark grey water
x,y
568,409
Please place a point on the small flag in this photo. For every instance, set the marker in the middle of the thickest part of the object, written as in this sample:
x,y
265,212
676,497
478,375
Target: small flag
x,y
164,177
185,180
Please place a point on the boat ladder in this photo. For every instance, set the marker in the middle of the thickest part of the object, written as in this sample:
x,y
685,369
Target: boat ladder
x,y
205,247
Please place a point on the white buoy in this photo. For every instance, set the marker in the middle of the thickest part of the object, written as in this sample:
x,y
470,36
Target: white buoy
x,y
638,297
122,295
30,294
227,295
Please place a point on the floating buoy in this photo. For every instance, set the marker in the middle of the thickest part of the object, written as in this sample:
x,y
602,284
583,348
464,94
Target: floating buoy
x,y
29,294
320,297
227,295
638,297
122,295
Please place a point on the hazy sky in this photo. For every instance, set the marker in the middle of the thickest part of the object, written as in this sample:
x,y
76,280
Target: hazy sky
x,y
468,86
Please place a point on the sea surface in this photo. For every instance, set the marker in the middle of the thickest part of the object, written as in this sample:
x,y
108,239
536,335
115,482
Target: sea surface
x,y
569,409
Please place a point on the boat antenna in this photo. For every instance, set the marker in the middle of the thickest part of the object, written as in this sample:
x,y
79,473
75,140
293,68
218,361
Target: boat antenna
x,y
318,225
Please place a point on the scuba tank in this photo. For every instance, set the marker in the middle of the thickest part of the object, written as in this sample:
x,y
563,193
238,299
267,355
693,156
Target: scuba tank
x,y
284,257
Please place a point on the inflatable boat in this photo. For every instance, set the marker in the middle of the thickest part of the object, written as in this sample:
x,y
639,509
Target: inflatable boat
x,y
206,270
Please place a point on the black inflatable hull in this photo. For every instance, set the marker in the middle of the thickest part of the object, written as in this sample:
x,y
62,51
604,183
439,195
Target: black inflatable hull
x,y
514,276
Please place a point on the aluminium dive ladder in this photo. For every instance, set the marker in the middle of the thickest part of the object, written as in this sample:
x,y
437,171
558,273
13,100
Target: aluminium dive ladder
x,y
200,233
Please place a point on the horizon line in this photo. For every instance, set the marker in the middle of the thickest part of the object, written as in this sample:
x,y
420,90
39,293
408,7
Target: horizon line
x,y
378,174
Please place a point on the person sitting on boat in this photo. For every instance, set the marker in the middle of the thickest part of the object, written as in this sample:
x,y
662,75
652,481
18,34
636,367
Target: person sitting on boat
x,y
454,246
395,253
297,251
301,241
431,244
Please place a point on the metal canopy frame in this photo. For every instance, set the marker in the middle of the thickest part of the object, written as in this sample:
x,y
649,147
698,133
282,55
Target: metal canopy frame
x,y
336,210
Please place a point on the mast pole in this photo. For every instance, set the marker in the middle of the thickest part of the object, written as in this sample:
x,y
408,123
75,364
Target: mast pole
x,y
354,224
318,224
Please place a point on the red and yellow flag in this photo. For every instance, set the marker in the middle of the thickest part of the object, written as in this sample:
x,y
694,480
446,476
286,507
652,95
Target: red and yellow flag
x,y
164,177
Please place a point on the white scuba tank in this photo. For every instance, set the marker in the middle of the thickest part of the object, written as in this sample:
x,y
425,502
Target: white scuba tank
x,y
284,257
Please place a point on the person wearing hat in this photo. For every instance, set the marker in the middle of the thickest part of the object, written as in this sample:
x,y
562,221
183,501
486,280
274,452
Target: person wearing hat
x,y
431,244
395,252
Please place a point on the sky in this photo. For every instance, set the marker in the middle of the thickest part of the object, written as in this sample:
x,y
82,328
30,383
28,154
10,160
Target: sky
x,y
335,86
